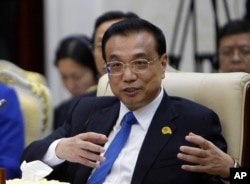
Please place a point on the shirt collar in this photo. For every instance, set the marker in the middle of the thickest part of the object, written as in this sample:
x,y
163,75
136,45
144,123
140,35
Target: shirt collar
x,y
145,114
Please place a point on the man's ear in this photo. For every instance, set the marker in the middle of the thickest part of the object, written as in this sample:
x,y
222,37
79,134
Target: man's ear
x,y
164,62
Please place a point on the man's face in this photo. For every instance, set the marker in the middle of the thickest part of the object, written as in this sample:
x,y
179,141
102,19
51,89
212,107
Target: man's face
x,y
234,53
98,45
135,90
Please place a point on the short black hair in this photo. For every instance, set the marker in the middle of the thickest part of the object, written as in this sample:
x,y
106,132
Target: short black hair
x,y
111,15
236,26
135,25
78,48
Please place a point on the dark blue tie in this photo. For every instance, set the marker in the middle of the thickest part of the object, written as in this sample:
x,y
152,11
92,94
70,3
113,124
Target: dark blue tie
x,y
113,150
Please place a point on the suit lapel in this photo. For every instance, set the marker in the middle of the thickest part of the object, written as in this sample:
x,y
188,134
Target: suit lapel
x,y
104,116
101,119
157,137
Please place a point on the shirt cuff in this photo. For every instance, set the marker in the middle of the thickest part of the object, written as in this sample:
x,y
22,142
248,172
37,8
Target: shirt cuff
x,y
50,157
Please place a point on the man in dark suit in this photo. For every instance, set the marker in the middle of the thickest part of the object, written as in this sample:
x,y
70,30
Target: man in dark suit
x,y
136,60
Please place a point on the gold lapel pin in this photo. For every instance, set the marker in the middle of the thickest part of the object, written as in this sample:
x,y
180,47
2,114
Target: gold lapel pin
x,y
166,130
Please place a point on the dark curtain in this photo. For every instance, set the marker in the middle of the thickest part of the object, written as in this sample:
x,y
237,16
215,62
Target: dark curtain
x,y
22,33
247,15
8,26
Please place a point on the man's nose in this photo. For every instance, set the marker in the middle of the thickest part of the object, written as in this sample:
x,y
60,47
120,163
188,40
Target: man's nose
x,y
236,56
128,72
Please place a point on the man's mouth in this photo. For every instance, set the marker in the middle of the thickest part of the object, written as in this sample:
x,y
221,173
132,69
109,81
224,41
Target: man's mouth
x,y
131,91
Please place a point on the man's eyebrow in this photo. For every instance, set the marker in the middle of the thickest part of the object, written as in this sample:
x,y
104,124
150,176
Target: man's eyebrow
x,y
113,56
141,54
137,55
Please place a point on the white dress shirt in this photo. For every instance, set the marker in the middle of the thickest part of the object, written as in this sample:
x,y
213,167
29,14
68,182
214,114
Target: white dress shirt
x,y
124,165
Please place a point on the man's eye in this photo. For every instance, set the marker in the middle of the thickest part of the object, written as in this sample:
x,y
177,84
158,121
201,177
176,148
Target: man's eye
x,y
115,65
226,52
140,63
245,51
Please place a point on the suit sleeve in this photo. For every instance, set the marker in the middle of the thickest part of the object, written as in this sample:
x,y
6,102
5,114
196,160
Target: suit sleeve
x,y
37,149
211,130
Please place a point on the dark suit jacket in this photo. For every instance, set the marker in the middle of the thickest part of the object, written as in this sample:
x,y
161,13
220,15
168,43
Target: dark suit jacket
x,y
61,111
157,161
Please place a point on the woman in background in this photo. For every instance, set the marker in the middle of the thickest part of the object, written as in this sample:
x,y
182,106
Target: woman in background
x,y
75,63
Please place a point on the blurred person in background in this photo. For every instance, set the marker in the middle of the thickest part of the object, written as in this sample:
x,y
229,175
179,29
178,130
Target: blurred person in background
x,y
102,23
12,139
234,46
75,63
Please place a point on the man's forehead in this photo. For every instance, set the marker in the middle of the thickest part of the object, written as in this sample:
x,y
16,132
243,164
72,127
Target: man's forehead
x,y
140,36
236,36
243,38
131,45
136,41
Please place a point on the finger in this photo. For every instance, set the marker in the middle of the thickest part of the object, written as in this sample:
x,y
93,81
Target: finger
x,y
92,156
200,141
193,151
86,158
91,147
189,158
94,137
193,168
88,163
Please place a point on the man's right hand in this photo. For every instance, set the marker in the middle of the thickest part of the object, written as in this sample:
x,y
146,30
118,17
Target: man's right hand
x,y
83,148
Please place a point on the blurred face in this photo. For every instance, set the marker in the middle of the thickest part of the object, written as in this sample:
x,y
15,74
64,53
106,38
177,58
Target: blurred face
x,y
98,45
134,89
75,77
234,53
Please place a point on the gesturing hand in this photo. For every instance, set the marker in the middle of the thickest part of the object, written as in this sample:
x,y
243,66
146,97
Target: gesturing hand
x,y
83,148
209,158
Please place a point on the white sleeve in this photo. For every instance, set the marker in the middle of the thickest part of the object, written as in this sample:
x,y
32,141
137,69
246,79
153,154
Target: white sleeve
x,y
50,157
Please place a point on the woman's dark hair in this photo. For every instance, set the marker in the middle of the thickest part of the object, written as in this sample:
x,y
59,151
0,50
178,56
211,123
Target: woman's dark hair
x,y
135,25
78,48
111,15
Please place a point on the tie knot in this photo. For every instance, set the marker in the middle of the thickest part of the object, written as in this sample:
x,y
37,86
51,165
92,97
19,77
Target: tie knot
x,y
129,118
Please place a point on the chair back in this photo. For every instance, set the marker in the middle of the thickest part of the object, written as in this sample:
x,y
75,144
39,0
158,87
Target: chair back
x,y
34,97
228,94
